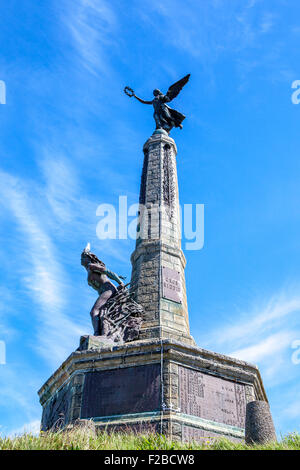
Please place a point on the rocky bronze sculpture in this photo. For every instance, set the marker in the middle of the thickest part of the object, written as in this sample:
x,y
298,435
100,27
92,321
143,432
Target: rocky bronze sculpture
x,y
165,117
115,315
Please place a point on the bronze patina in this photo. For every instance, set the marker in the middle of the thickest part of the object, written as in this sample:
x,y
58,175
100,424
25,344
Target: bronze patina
x,y
165,117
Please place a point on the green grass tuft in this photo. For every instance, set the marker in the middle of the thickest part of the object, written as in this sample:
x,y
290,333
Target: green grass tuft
x,y
85,438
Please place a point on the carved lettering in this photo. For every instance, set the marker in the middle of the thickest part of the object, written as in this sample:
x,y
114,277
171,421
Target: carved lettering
x,y
212,398
171,284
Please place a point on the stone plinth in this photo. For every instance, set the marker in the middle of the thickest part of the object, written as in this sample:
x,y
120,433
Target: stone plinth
x,y
160,385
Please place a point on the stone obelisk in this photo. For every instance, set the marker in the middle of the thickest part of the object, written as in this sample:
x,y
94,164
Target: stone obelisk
x,y
158,262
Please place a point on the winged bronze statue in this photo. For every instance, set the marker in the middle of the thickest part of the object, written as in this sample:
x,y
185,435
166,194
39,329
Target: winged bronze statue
x,y
165,117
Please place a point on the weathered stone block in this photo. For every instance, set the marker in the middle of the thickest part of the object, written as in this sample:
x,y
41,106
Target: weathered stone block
x,y
259,424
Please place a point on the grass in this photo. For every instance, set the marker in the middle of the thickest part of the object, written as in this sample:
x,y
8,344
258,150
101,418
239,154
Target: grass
x,y
85,438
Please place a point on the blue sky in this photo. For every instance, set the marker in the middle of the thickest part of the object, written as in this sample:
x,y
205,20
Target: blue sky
x,y
71,140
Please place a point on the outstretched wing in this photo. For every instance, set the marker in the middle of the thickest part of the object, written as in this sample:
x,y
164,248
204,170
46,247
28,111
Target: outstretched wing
x,y
176,88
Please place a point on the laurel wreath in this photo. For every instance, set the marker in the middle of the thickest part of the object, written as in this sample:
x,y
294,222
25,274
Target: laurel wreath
x,y
129,91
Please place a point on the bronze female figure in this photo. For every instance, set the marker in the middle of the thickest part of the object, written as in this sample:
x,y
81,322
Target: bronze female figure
x,y
165,117
98,276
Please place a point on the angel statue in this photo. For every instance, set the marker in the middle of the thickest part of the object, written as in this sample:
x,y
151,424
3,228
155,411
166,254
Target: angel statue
x,y
115,315
165,117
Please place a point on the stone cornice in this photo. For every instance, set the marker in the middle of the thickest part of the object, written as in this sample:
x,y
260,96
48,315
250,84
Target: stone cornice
x,y
160,138
147,352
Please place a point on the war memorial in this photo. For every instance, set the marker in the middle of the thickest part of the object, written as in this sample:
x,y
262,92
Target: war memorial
x,y
141,370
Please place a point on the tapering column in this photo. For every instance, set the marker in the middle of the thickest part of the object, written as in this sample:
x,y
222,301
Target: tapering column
x,y
158,262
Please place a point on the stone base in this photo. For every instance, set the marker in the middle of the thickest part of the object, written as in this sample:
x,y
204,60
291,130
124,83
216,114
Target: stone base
x,y
157,385
94,342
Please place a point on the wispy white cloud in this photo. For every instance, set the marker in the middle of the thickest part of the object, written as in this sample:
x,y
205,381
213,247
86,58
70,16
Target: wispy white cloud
x,y
262,318
265,348
286,408
91,24
18,398
267,22
215,30
47,217
38,209
252,3
262,335
7,330
41,209
208,28
293,409
41,272
61,186
33,427
70,205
